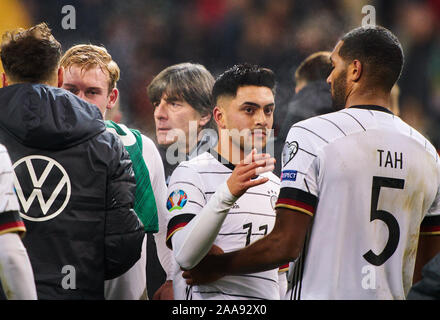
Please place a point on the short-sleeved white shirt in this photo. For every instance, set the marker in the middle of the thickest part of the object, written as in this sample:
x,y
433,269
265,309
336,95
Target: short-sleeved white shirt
x,y
192,184
368,179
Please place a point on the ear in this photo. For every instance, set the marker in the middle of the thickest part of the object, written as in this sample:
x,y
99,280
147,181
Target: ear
x,y
219,117
299,85
60,77
4,80
113,97
205,119
356,70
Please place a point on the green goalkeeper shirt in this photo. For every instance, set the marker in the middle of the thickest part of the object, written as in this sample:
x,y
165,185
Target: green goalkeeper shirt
x,y
145,203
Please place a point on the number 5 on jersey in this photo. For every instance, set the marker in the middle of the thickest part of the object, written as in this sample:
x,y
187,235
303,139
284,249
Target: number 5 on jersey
x,y
385,216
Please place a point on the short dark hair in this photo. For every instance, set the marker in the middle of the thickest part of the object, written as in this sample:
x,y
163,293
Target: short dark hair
x,y
379,51
315,67
30,55
190,82
241,75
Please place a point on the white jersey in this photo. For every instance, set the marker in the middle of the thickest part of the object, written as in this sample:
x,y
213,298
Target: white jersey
x,y
132,284
368,179
191,186
282,282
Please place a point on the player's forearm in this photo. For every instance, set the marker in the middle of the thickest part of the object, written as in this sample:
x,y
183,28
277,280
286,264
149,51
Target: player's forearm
x,y
16,273
194,241
265,254
281,246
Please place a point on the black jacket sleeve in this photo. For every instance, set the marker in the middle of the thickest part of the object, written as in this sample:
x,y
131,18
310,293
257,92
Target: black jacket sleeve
x,y
123,230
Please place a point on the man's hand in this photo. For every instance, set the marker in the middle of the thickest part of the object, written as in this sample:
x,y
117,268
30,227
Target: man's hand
x,y
165,292
283,244
202,273
252,165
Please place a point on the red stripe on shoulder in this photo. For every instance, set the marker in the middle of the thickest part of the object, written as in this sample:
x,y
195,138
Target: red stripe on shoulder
x,y
10,225
296,203
429,229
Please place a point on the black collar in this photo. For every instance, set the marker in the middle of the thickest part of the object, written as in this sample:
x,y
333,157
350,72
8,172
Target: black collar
x,y
225,162
222,160
207,139
372,107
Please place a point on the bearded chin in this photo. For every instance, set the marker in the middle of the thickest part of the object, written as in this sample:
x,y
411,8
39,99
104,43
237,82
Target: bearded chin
x,y
338,93
338,101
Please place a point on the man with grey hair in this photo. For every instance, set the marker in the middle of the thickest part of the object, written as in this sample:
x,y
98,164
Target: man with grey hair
x,y
181,96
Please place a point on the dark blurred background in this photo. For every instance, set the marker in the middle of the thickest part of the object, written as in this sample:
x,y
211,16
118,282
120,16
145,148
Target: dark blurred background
x,y
145,36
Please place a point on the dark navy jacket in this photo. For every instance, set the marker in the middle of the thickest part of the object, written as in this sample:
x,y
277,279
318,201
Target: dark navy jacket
x,y
75,186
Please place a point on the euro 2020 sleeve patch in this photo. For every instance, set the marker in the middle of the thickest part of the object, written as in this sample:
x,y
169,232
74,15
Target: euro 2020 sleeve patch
x,y
176,200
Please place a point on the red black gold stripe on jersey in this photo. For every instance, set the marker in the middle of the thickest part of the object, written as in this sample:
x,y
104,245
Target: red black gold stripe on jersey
x,y
176,223
283,268
10,221
430,226
296,199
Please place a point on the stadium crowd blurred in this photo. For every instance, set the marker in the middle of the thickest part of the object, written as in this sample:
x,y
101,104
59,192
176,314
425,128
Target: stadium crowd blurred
x,y
145,36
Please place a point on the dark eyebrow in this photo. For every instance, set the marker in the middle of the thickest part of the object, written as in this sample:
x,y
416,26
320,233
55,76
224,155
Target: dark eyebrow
x,y
173,99
256,104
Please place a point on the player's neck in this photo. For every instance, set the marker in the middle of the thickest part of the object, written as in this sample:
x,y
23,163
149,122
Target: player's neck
x,y
47,83
370,97
229,151
190,145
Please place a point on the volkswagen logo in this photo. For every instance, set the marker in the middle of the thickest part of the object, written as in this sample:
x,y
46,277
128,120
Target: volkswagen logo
x,y
35,171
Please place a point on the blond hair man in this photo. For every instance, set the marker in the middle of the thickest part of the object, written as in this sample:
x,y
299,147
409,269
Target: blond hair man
x,y
91,74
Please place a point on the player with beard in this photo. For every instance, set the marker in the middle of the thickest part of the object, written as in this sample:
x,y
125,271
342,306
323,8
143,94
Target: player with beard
x,y
209,201
355,187
312,97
